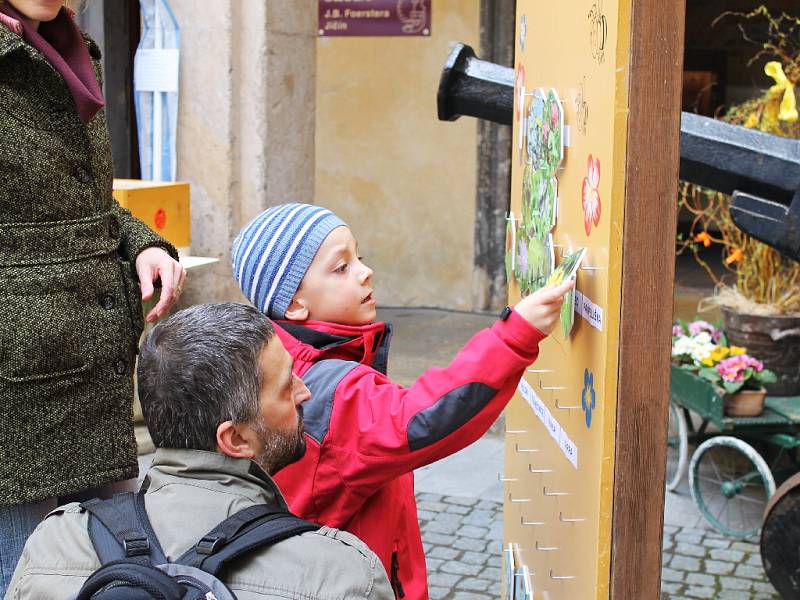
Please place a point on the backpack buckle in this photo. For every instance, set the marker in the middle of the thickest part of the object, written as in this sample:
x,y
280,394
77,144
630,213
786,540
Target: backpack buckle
x,y
210,545
136,546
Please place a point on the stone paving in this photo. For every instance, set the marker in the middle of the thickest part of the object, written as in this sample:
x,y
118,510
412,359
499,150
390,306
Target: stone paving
x,y
463,537
703,564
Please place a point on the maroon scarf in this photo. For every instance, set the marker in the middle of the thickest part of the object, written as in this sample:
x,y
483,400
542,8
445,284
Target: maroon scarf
x,y
61,43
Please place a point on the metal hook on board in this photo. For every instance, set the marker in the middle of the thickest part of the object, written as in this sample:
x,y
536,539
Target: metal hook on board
x,y
532,470
512,499
546,493
530,523
501,478
552,387
571,407
539,370
563,519
515,431
518,449
561,577
546,548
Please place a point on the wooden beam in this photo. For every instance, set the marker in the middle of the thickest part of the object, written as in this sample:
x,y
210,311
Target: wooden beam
x,y
648,270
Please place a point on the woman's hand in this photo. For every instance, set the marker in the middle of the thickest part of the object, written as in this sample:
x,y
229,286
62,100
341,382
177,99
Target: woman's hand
x,y
151,264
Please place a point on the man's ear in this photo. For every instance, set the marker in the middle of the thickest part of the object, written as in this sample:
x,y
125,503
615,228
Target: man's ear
x,y
236,441
297,310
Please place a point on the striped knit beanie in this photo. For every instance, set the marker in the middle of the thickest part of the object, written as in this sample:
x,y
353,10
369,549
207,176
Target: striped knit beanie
x,y
272,253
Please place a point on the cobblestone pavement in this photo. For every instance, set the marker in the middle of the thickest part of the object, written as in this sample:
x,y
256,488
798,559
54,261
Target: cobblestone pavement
x,y
704,564
463,537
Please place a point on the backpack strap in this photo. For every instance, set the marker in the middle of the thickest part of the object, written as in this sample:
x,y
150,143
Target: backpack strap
x,y
117,531
253,527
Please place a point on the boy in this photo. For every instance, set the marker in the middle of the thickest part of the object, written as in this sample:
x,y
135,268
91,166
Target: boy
x,y
365,435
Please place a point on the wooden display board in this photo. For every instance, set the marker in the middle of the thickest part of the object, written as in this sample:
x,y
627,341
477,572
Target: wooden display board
x,y
586,433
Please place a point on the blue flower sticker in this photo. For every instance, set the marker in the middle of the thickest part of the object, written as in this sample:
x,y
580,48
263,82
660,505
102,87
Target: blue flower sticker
x,y
588,396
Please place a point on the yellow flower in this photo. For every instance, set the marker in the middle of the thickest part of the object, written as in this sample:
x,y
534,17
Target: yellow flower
x,y
708,362
752,120
788,107
737,350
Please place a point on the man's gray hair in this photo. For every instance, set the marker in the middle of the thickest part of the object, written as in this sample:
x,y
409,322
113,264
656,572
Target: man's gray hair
x,y
199,368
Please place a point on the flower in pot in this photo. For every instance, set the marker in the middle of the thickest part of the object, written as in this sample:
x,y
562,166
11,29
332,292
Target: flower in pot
x,y
742,378
759,290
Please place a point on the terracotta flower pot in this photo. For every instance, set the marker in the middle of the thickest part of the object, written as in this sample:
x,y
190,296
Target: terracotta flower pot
x,y
745,403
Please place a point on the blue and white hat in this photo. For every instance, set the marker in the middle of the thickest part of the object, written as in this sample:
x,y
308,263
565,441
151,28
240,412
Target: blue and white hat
x,y
272,253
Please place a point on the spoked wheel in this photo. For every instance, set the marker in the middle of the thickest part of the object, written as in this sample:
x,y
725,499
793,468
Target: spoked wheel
x,y
677,447
730,484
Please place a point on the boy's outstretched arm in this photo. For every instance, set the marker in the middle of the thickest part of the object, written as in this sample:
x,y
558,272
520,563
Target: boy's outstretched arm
x,y
380,430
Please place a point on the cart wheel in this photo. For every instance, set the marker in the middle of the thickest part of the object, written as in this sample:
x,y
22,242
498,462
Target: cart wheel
x,y
677,447
730,484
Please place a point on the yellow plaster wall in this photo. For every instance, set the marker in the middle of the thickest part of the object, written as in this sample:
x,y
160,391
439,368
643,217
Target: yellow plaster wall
x,y
402,180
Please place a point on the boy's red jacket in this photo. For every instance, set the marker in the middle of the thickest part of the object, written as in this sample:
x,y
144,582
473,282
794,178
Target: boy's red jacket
x,y
366,435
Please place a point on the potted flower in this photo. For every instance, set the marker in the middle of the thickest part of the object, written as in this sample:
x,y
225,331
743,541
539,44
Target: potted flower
x,y
702,349
761,310
743,378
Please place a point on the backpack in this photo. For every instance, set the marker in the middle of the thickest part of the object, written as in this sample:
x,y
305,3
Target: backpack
x,y
134,566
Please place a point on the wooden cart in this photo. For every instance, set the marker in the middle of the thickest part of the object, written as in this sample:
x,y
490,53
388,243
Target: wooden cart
x,y
737,460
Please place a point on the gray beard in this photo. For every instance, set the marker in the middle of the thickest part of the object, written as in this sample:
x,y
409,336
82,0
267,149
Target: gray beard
x,y
281,448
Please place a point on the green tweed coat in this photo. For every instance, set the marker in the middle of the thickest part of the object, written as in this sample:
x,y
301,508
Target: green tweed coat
x,y
70,314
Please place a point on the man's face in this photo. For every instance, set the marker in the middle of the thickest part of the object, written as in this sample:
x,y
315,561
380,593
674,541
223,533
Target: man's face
x,y
337,286
279,424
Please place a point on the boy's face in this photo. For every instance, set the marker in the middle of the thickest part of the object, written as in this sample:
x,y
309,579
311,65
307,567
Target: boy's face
x,y
337,286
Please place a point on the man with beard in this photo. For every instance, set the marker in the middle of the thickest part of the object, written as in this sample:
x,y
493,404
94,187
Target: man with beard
x,y
225,412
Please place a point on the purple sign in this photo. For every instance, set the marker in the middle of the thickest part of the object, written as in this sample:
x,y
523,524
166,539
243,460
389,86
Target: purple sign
x,y
374,17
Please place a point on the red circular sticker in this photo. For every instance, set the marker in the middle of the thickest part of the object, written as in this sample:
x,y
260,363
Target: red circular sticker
x,y
160,218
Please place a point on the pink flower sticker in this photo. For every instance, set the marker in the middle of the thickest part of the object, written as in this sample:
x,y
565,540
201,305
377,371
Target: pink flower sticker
x,y
590,194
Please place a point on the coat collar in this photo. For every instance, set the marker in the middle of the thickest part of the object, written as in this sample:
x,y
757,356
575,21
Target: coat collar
x,y
318,340
214,471
9,41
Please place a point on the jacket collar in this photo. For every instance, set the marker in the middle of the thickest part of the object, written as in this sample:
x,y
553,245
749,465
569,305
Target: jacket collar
x,y
214,471
318,340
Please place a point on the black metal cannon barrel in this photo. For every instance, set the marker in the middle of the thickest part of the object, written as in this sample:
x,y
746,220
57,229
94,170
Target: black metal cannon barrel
x,y
761,171
476,88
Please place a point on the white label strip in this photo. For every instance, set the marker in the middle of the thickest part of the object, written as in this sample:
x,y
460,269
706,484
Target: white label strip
x,y
553,427
569,448
590,311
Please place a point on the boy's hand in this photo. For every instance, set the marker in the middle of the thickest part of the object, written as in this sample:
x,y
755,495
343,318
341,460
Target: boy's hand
x,y
542,308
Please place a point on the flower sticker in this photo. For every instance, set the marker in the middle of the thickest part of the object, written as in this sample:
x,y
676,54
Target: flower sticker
x,y
588,396
590,194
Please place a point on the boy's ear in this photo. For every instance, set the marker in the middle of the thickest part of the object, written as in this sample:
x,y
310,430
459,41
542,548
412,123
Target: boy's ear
x,y
297,310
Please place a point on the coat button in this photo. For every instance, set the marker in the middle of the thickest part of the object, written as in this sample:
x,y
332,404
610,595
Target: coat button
x,y
57,107
120,367
113,229
107,301
82,174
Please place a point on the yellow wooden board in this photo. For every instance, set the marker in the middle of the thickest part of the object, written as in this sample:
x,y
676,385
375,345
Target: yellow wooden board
x,y
558,512
162,206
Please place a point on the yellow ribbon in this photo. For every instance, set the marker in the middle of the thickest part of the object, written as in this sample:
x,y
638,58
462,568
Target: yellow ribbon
x,y
788,108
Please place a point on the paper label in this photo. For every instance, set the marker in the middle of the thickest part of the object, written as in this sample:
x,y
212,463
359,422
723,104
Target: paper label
x,y
156,70
553,427
569,448
590,311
